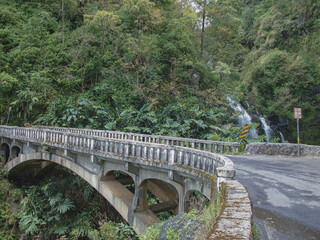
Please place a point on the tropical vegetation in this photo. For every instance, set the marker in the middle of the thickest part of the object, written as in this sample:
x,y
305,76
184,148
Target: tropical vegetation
x,y
160,67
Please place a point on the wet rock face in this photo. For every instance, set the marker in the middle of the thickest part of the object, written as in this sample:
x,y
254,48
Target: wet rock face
x,y
282,149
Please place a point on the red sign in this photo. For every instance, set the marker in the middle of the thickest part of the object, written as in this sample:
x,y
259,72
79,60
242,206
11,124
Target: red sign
x,y
297,113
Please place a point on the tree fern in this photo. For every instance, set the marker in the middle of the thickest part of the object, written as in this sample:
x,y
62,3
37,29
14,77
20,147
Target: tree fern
x,y
65,205
29,224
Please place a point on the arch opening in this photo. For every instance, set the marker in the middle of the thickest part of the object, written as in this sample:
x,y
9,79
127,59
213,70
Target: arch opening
x,y
4,153
160,197
67,195
195,200
125,179
15,151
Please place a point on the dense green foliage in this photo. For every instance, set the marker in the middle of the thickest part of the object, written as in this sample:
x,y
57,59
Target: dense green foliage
x,y
62,206
160,67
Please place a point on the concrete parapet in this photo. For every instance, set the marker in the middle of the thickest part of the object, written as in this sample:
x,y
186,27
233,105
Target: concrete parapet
x,y
92,155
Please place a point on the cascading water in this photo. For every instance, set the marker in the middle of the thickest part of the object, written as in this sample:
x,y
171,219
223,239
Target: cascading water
x,y
281,137
243,117
267,129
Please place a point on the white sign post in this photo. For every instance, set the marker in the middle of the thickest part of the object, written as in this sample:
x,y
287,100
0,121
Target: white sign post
x,y
298,115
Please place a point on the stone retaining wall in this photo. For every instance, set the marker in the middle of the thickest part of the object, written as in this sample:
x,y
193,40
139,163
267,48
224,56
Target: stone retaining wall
x,y
282,149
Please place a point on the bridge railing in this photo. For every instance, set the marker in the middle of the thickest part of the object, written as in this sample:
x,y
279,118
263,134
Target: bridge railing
x,y
205,145
141,152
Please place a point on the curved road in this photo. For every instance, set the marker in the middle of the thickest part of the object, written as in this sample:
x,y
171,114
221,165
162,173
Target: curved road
x,y
285,194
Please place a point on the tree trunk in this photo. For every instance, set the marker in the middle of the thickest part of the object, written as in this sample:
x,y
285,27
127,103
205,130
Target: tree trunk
x,y
202,31
62,16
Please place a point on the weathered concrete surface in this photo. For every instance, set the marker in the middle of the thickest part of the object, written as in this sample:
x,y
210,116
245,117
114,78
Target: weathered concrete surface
x,y
282,149
120,197
93,157
285,193
236,220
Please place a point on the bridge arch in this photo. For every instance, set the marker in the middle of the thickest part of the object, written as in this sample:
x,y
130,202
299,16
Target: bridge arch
x,y
125,178
5,152
164,195
121,200
15,151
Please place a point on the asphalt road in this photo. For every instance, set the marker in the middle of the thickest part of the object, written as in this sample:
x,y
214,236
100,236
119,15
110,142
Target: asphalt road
x,y
285,193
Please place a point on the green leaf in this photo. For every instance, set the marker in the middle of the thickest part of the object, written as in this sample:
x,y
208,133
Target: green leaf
x,y
65,206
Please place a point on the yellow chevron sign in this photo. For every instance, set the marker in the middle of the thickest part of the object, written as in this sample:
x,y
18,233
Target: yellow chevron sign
x,y
245,131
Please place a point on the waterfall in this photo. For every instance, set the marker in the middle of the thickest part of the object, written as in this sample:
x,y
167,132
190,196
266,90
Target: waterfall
x,y
281,137
243,117
267,129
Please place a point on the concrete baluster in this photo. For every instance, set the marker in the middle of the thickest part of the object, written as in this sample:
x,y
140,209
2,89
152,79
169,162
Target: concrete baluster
x,y
145,152
65,140
81,143
111,147
213,166
103,147
85,142
92,144
180,157
204,163
199,162
186,158
107,145
164,155
151,153
221,148
138,149
88,142
133,150
116,147
121,148
172,156
210,147
209,164
228,149
126,149
192,160
216,148
157,154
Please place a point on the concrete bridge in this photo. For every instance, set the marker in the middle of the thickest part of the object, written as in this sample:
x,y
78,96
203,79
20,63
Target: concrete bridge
x,y
169,168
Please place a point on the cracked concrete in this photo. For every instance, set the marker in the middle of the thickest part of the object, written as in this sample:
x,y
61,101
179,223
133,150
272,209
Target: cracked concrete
x,y
285,193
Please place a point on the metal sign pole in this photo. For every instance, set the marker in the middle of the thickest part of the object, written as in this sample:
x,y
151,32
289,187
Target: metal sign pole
x,y
298,137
